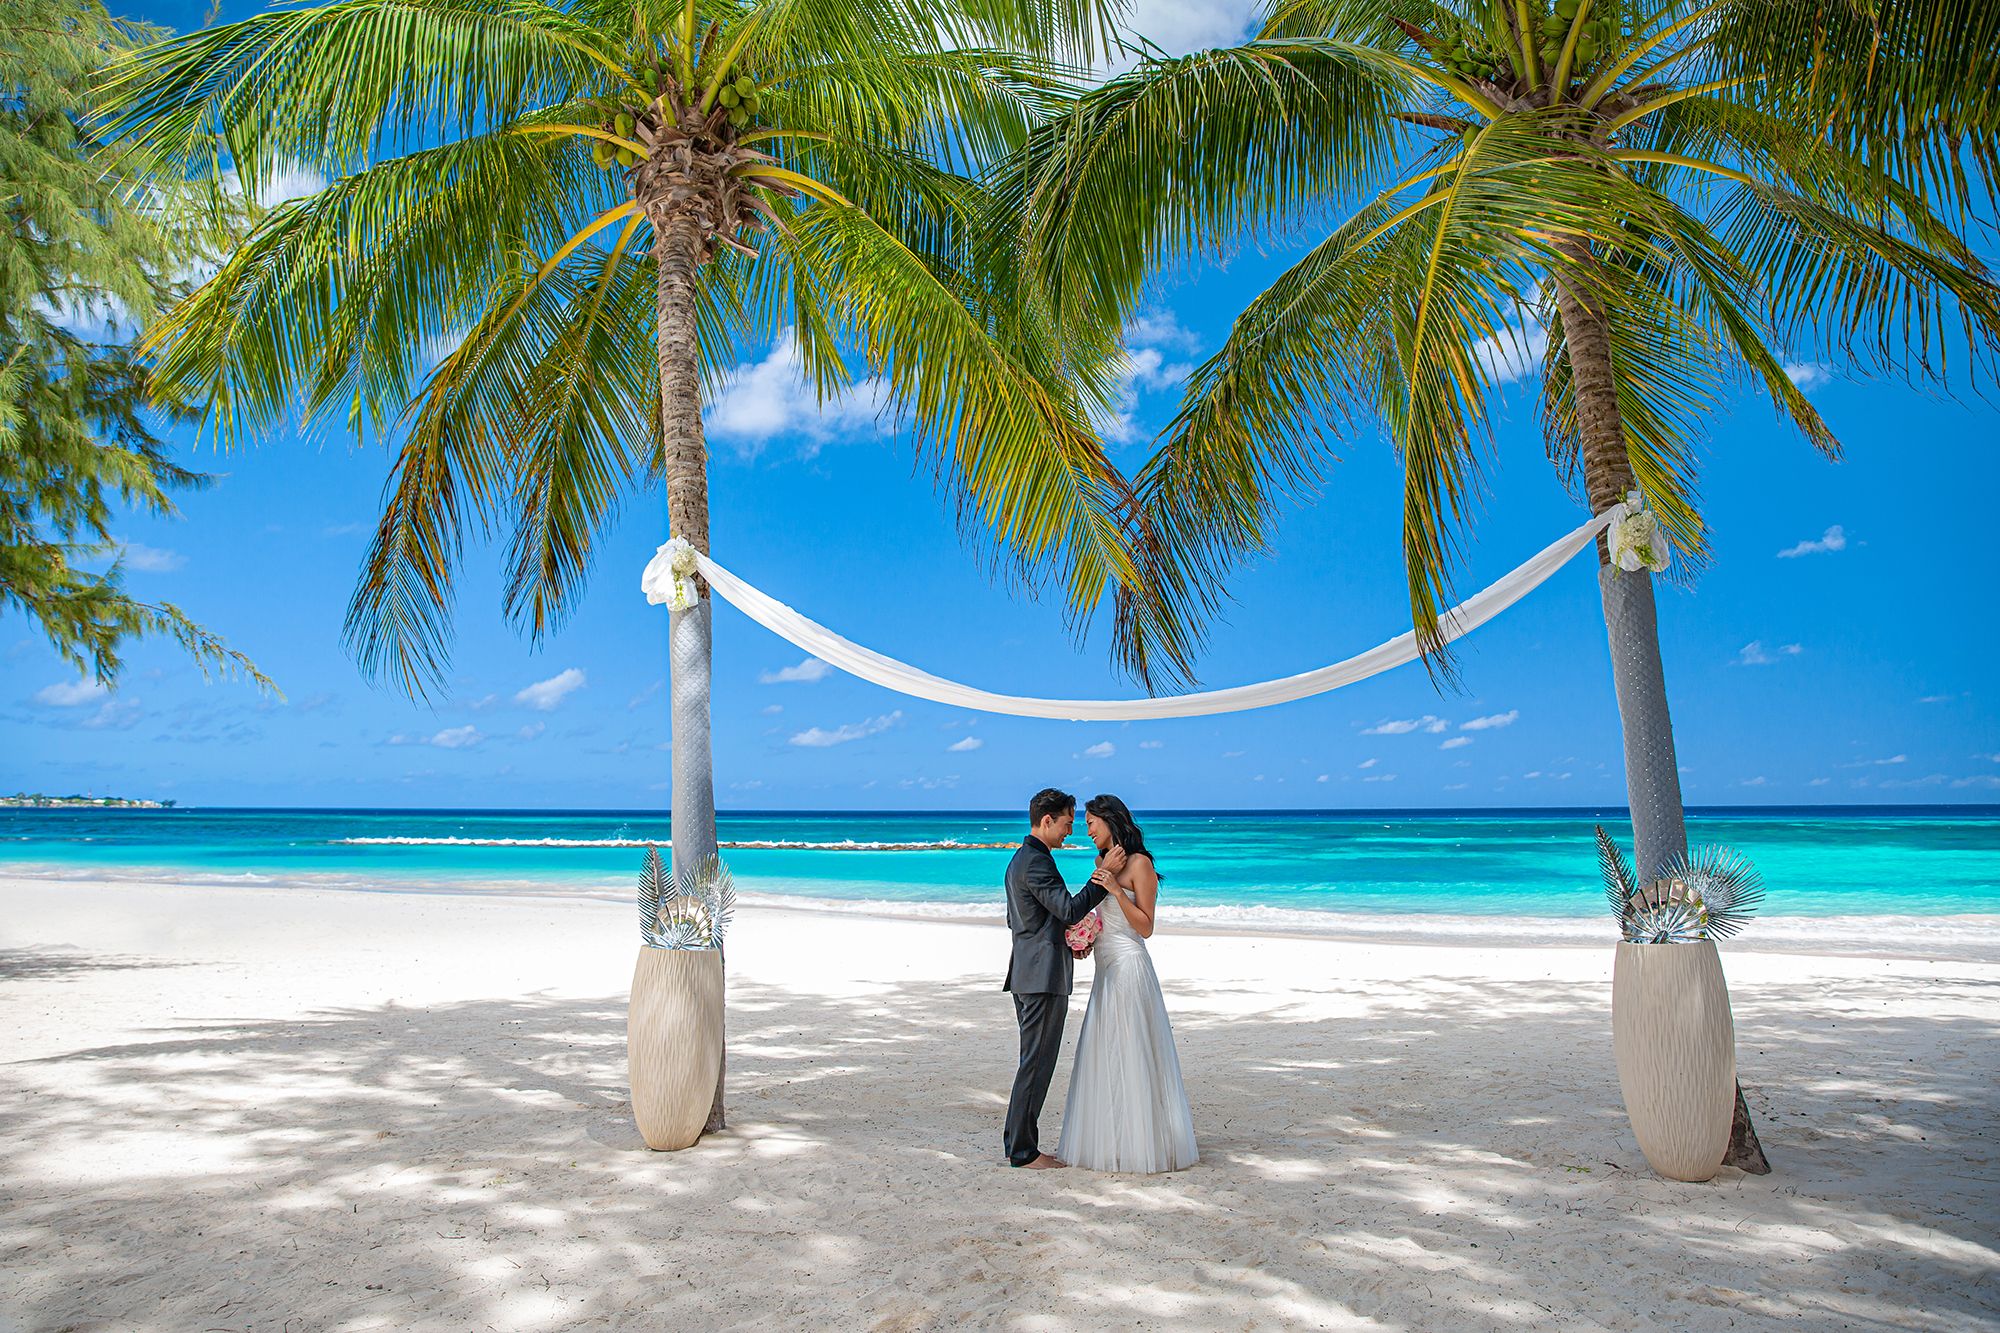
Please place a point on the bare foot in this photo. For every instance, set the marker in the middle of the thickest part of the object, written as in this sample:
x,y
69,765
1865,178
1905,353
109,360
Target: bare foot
x,y
1046,1163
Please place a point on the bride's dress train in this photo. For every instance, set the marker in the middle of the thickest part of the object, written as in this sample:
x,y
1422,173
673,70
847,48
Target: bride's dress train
x,y
1127,1109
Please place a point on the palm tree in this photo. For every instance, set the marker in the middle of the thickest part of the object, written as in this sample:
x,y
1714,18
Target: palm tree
x,y
549,225
1673,195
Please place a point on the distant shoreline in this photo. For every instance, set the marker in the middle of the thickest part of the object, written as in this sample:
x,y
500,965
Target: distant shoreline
x,y
23,801
1957,808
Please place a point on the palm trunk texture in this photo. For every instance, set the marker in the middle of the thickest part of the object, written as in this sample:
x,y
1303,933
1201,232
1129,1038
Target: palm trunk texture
x,y
677,251
1652,771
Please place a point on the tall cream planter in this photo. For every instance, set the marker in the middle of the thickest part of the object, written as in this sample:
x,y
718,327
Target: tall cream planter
x,y
1676,1047
673,1043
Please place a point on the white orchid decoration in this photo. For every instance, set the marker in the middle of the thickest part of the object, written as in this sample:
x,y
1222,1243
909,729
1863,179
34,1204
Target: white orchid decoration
x,y
669,576
1637,540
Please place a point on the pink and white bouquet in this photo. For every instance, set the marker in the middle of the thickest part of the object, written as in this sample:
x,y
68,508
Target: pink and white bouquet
x,y
1082,936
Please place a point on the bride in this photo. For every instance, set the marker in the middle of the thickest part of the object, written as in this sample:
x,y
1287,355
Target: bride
x,y
1127,1109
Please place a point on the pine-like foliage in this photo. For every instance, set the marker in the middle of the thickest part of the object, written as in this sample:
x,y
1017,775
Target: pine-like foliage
x,y
94,245
1709,894
685,911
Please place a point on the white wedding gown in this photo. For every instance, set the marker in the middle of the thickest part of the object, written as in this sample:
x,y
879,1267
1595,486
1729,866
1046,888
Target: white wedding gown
x,y
1127,1109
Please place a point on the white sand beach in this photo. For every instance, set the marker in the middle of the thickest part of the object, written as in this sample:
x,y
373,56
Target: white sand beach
x,y
226,1108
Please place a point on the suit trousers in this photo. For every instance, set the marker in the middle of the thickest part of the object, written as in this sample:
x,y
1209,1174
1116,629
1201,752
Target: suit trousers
x,y
1041,1019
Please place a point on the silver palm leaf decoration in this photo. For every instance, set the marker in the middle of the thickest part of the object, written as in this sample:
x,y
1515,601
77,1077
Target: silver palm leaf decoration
x,y
1707,895
654,887
1618,884
691,911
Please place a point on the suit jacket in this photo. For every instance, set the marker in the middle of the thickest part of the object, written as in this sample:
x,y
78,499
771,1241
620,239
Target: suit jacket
x,y
1040,908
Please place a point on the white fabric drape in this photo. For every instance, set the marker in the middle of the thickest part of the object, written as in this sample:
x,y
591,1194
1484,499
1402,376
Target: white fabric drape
x,y
851,657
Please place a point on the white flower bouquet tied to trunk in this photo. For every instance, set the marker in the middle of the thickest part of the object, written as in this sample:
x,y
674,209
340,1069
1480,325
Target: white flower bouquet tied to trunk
x,y
1637,540
677,561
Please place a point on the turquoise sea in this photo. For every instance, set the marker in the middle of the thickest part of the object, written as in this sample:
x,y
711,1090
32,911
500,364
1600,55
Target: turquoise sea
x,y
1247,867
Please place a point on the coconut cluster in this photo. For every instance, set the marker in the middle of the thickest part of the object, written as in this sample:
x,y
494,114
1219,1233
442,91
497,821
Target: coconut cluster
x,y
1597,35
1473,55
739,99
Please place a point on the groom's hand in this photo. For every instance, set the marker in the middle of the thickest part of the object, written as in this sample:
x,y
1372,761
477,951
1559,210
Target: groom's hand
x,y
1114,860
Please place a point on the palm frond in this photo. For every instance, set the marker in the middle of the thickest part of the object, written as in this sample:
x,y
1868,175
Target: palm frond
x,y
331,85
340,299
1725,885
1909,86
1617,872
1118,186
654,887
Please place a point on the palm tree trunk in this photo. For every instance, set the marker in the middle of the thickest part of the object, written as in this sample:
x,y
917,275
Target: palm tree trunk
x,y
1652,771
677,251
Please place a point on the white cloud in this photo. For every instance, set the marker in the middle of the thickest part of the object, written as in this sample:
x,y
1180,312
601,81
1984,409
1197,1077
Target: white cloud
x,y
1101,750
1232,754
1754,653
1937,698
1492,720
1323,777
1758,781
1380,777
805,673
772,710
1991,758
544,695
1807,374
819,737
1879,763
70,694
1978,780
640,699
284,182
113,715
762,400
1819,782
1404,726
1180,26
1515,354
1368,763
150,559
1834,539
451,738
963,744
529,732
1455,743
1160,329
1143,367
1151,745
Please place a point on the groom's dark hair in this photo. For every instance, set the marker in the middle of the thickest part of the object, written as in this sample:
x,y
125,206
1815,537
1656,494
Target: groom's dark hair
x,y
1048,801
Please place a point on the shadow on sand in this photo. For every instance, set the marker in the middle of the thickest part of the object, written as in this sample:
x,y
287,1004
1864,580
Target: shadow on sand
x,y
473,1166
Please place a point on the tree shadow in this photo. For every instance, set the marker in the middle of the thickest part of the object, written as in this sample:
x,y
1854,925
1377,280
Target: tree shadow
x,y
68,963
474,1165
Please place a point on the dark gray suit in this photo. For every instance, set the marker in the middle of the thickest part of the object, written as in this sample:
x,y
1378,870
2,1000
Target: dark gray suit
x,y
1040,908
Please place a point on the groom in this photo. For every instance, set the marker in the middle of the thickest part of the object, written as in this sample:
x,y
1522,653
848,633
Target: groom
x,y
1040,908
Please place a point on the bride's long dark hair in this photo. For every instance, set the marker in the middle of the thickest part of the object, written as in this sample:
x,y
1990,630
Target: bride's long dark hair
x,y
1124,831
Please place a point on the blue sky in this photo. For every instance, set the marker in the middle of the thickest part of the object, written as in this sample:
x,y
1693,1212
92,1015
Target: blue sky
x,y
1837,650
